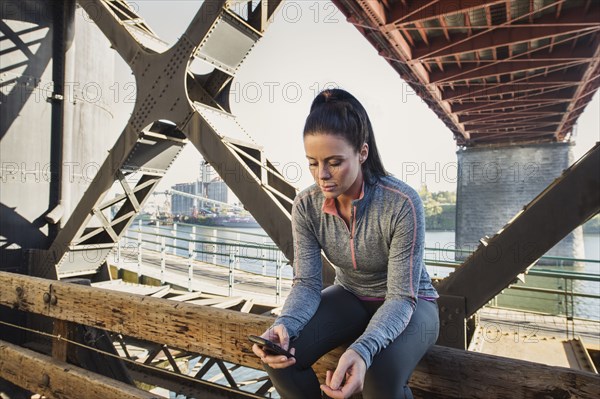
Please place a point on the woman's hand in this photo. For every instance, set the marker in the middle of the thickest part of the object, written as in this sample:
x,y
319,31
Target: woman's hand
x,y
348,377
278,335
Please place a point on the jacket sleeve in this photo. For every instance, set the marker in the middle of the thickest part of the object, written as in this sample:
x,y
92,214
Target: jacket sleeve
x,y
305,296
404,268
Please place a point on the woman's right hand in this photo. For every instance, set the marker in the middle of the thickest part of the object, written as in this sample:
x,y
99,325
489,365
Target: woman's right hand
x,y
278,335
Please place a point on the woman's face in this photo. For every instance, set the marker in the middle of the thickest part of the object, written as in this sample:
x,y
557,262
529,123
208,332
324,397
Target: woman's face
x,y
334,164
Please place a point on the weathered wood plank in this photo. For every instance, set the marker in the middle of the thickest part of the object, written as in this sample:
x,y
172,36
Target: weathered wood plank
x,y
55,379
59,346
220,333
247,306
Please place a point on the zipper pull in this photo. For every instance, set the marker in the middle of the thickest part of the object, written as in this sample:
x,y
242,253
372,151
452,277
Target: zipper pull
x,y
352,222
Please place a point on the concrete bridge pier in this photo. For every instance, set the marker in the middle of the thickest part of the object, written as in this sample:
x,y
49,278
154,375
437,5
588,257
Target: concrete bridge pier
x,y
495,183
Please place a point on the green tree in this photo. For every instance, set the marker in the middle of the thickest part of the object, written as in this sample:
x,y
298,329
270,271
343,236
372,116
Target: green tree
x,y
431,206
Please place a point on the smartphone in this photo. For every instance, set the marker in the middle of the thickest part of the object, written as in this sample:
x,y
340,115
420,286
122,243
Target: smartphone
x,y
269,347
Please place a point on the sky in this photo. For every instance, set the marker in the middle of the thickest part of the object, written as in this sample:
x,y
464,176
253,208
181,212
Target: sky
x,y
310,46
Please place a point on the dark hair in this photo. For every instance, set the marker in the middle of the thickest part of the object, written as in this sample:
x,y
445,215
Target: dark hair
x,y
337,112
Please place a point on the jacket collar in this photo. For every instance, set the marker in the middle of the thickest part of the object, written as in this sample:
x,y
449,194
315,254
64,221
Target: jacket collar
x,y
329,203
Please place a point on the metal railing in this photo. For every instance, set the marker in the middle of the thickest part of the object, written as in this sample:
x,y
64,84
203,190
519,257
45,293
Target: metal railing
x,y
547,289
219,247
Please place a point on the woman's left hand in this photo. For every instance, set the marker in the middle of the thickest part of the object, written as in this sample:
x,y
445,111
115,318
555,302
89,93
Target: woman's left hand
x,y
352,367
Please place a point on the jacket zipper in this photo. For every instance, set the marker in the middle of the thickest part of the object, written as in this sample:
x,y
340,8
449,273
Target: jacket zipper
x,y
351,232
353,220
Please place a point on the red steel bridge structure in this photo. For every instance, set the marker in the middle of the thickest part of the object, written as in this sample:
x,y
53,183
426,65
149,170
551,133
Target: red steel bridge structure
x,y
495,71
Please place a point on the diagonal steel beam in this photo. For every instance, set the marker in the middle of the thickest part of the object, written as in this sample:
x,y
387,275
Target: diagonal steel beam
x,y
264,193
571,199
109,23
137,150
220,37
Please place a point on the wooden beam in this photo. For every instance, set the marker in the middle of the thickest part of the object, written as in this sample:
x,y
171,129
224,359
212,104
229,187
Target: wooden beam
x,y
56,379
222,334
59,346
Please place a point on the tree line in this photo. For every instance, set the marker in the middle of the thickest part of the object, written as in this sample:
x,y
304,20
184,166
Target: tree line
x,y
440,212
440,209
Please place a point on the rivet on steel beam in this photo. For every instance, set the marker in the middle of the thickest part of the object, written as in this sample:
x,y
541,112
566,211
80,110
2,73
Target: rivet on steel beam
x,y
53,300
444,322
45,380
46,297
457,311
443,309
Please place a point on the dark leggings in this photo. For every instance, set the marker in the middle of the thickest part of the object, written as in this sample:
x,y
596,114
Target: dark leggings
x,y
340,319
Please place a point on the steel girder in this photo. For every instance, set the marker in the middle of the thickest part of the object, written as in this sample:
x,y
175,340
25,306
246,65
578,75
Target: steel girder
x,y
172,105
472,52
568,202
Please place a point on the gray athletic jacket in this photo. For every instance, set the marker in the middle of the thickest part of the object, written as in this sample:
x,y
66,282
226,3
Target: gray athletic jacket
x,y
381,255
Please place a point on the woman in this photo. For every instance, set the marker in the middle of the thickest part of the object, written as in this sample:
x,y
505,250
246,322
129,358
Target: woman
x,y
370,226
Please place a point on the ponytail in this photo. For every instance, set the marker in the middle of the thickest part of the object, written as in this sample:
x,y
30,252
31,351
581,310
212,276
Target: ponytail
x,y
337,112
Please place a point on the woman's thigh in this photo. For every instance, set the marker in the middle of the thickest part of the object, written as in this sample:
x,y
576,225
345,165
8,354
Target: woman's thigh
x,y
340,318
393,366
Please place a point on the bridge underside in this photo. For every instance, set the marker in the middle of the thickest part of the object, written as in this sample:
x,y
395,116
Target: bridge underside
x,y
497,72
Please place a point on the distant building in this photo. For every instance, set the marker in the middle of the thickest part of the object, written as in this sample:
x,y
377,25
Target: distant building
x,y
217,190
211,185
183,205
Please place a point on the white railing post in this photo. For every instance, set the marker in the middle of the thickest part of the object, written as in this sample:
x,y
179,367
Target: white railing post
x,y
174,232
139,262
191,255
278,278
231,269
119,243
263,256
214,238
163,262
139,254
237,251
156,232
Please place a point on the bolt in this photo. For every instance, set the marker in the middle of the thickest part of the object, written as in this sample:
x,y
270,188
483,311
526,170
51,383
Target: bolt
x,y
443,309
46,297
53,300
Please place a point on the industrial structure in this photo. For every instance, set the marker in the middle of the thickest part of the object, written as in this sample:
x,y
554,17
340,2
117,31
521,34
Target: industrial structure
x,y
504,76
